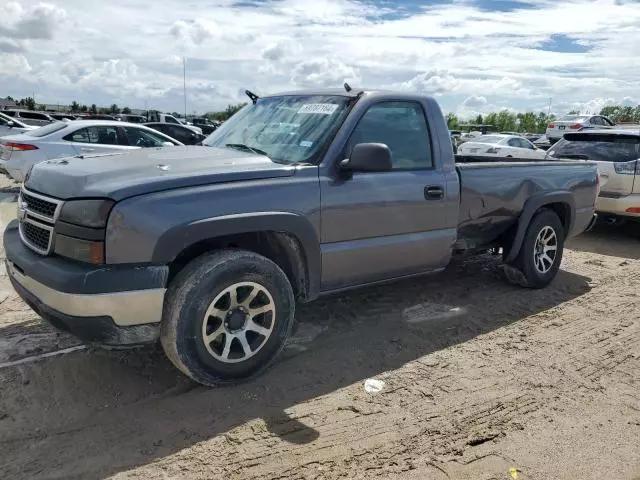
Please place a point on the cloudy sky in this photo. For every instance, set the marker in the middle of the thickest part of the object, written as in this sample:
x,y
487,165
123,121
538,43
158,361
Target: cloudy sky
x,y
474,55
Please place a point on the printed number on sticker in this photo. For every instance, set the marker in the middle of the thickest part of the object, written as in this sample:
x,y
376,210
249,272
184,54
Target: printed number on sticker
x,y
321,108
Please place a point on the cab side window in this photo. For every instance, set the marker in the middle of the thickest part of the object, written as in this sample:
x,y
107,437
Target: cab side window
x,y
402,127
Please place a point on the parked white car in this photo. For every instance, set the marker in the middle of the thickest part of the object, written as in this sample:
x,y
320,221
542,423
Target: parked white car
x,y
498,145
12,126
573,123
617,153
63,139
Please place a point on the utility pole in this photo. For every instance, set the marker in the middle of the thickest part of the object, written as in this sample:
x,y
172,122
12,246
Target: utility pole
x,y
184,85
549,109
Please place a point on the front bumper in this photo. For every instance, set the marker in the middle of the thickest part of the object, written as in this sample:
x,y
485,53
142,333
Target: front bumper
x,y
114,305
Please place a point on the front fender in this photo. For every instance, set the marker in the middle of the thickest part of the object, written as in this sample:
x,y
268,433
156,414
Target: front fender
x,y
175,240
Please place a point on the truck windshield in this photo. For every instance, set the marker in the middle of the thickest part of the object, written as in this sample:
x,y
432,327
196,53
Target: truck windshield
x,y
288,129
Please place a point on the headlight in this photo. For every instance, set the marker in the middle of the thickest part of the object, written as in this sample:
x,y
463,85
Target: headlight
x,y
88,213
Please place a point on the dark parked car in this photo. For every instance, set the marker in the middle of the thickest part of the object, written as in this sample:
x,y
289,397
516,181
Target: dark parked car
x,y
126,117
205,124
63,116
298,195
179,132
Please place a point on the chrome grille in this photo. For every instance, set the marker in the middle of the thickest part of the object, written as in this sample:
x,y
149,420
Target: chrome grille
x,y
36,236
40,206
37,215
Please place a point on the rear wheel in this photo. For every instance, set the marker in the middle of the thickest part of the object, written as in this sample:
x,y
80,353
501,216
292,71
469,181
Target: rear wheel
x,y
541,252
227,317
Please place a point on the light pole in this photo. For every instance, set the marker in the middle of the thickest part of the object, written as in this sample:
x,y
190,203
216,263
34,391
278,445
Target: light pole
x,y
184,85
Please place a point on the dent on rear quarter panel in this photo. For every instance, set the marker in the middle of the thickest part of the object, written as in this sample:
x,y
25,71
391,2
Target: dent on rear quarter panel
x,y
494,194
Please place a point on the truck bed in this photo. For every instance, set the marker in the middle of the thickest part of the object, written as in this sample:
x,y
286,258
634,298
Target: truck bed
x,y
493,194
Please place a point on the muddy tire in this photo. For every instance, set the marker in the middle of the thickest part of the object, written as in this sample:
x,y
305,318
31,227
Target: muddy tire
x,y
227,316
541,252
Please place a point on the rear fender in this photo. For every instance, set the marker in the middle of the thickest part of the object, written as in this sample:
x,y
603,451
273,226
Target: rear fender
x,y
531,207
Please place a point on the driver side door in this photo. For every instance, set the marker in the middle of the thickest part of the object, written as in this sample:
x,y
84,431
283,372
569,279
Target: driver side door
x,y
382,225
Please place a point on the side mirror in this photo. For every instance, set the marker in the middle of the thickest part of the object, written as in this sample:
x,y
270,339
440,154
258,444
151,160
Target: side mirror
x,y
11,124
167,144
368,157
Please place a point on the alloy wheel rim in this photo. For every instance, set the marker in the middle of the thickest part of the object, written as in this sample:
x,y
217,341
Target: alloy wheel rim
x,y
239,322
545,250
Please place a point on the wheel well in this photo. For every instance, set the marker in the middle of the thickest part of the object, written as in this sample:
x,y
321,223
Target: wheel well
x,y
282,248
563,211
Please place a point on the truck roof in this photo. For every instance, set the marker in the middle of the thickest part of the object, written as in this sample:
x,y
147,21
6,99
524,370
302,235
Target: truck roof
x,y
330,91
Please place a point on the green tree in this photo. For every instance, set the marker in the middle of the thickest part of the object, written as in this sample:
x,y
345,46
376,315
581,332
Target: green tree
x,y
75,106
83,108
479,120
93,108
452,121
491,119
42,107
114,109
574,112
506,121
29,103
126,110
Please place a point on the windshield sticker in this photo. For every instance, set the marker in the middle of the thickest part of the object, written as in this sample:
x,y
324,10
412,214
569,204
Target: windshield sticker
x,y
306,143
321,108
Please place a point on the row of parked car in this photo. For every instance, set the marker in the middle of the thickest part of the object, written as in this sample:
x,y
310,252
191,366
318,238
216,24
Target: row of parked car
x,y
22,145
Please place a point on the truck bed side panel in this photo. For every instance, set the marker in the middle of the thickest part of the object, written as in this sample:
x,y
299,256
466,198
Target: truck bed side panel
x,y
494,194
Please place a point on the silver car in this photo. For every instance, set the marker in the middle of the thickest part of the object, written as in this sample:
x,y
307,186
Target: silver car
x,y
79,137
574,123
12,126
30,117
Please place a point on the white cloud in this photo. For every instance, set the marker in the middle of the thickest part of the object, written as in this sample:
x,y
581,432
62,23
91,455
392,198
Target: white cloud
x,y
474,102
324,72
131,52
38,21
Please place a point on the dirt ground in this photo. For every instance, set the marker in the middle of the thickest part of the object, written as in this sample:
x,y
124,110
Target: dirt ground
x,y
481,381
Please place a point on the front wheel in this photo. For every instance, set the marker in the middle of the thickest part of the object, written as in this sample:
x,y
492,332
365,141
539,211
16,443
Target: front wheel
x,y
541,252
227,316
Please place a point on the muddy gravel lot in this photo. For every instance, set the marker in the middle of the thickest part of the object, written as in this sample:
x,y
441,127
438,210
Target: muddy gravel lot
x,y
481,381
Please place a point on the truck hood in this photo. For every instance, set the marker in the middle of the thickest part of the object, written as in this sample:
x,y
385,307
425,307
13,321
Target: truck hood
x,y
148,170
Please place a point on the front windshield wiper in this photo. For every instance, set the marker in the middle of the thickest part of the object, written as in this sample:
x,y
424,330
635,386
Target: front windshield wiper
x,y
242,146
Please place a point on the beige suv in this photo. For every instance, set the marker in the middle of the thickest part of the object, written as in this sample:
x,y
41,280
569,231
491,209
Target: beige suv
x,y
617,152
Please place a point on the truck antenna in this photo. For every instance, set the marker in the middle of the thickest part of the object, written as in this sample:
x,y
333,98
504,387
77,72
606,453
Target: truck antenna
x,y
254,98
347,87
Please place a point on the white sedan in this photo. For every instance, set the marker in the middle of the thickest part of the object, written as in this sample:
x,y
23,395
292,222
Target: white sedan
x,y
81,137
497,145
12,126
574,123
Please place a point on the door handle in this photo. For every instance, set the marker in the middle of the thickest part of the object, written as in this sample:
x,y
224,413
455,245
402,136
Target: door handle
x,y
433,192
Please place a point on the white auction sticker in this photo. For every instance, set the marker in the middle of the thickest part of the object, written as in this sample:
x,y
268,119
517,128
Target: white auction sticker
x,y
321,108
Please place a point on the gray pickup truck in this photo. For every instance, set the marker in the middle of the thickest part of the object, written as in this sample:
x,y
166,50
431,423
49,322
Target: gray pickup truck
x,y
298,195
